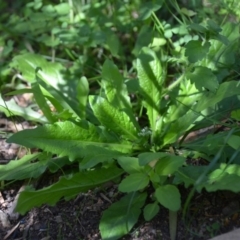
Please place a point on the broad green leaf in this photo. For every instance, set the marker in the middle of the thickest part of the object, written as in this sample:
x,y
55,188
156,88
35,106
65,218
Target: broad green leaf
x,y
27,64
82,96
113,43
130,164
209,99
22,168
121,216
82,140
150,211
151,78
222,52
233,141
169,197
67,187
134,182
62,8
53,76
168,165
236,114
147,157
195,51
224,181
112,118
203,77
10,108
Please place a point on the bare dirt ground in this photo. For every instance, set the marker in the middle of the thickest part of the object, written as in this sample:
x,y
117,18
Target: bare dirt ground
x,y
209,214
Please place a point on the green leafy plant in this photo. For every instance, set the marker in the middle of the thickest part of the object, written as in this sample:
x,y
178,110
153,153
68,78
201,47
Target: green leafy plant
x,y
106,137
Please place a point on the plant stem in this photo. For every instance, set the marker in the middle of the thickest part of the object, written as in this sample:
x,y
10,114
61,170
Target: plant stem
x,y
172,224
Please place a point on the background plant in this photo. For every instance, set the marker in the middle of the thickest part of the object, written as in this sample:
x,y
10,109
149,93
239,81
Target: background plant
x,y
124,121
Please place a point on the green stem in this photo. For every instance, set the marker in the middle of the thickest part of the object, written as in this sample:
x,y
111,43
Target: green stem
x,y
173,224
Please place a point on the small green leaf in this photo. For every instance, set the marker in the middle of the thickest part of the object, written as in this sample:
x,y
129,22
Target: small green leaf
x,y
130,164
203,77
233,141
236,115
188,12
134,182
169,197
121,216
147,8
195,51
168,165
113,43
150,211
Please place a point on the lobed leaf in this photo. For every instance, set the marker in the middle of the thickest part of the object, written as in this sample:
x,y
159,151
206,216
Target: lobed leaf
x,y
82,140
67,187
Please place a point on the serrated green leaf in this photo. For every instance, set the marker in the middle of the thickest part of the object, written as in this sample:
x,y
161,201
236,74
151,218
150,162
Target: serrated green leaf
x,y
76,141
151,78
67,187
150,211
130,164
116,90
169,197
121,216
168,165
134,182
22,168
112,118
203,77
195,51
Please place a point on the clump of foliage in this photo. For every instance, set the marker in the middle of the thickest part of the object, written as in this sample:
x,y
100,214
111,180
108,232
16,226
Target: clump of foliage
x,y
131,128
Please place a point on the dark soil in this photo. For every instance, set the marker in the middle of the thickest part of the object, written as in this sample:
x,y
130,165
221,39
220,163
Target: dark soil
x,y
208,214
